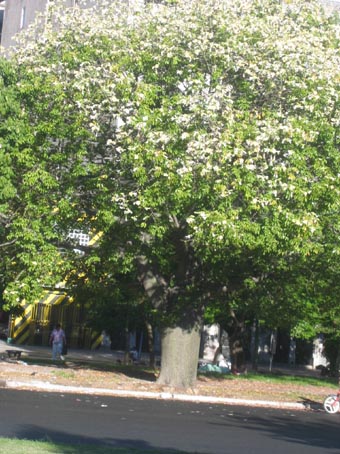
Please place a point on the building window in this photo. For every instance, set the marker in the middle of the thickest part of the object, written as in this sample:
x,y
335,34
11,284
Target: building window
x,y
82,238
23,17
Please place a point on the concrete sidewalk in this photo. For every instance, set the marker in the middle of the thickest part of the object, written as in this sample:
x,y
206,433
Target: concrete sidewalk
x,y
109,356
42,352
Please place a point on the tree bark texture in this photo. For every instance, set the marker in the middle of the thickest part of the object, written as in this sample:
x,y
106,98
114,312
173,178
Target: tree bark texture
x,y
179,343
180,351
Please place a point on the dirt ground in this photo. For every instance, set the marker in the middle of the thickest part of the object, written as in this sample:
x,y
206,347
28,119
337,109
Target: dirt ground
x,y
139,378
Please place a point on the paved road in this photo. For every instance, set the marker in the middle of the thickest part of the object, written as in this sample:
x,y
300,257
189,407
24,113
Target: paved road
x,y
201,428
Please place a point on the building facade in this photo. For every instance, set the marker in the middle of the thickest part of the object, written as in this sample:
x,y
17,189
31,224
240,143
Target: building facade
x,y
19,14
2,11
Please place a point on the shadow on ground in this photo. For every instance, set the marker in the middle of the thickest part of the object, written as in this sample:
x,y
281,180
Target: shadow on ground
x,y
69,443
311,404
141,372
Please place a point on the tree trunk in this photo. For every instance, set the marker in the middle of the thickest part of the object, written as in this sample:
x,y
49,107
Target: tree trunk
x,y
237,356
127,344
180,351
337,365
255,345
150,344
179,343
236,345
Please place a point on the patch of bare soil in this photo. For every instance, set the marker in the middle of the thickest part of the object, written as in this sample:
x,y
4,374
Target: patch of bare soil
x,y
139,379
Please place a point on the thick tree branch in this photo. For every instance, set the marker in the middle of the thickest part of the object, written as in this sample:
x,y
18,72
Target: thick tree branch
x,y
154,285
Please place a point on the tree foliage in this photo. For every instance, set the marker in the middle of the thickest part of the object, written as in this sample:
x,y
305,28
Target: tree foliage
x,y
26,189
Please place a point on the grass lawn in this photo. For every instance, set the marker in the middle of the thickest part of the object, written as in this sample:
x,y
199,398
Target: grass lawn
x,y
15,446
288,378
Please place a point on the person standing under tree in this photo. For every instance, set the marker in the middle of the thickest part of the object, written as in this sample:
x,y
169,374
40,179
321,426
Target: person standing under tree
x,y
57,340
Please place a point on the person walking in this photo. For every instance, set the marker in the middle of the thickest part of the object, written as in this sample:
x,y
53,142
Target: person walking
x,y
57,340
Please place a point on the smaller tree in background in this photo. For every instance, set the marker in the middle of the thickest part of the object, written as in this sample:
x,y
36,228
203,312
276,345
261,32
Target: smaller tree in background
x,y
113,298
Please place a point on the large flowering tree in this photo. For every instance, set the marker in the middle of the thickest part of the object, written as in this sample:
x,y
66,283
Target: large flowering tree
x,y
198,137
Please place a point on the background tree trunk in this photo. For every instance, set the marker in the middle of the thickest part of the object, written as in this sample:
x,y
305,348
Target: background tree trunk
x,y
180,351
127,344
150,344
337,365
236,344
255,345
